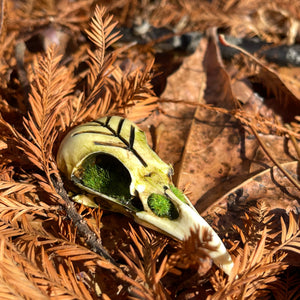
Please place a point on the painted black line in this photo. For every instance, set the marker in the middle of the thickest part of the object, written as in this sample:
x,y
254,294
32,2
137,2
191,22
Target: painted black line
x,y
110,145
139,158
92,131
120,125
131,137
107,121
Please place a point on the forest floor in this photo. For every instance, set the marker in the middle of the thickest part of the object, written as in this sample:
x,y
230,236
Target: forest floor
x,y
214,85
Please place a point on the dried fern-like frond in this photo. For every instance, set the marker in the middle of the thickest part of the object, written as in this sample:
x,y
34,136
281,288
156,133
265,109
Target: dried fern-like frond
x,y
49,99
252,272
13,210
143,264
109,90
11,187
287,287
133,92
191,252
49,94
10,270
290,238
18,205
97,102
101,32
255,222
102,35
52,262
259,265
97,99
55,281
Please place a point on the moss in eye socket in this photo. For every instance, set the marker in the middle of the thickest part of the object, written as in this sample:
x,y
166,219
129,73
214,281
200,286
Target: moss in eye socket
x,y
107,176
162,206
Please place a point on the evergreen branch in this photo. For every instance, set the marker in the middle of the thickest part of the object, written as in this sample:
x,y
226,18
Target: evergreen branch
x,y
100,32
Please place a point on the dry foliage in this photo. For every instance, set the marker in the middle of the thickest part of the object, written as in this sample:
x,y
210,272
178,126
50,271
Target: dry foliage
x,y
51,248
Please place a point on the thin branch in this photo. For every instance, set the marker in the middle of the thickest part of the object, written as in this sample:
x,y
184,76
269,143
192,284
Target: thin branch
x,y
83,229
239,114
1,15
274,160
295,143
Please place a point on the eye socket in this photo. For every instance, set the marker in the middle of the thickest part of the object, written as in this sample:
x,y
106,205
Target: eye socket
x,y
162,206
106,175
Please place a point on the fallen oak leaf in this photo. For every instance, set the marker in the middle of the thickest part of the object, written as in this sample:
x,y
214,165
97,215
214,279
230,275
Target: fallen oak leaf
x,y
213,138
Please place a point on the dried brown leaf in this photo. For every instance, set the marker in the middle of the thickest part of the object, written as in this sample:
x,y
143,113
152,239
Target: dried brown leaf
x,y
285,98
260,187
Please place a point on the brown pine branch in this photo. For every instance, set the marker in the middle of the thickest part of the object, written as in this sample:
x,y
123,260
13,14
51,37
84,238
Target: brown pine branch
x,y
97,101
257,220
132,92
49,280
50,92
252,272
290,237
10,270
144,264
91,239
100,32
258,266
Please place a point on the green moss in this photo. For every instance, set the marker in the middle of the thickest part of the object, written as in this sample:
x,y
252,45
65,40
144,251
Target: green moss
x,y
162,206
178,193
108,177
96,178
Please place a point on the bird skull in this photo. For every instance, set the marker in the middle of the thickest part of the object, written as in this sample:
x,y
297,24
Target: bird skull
x,y
109,159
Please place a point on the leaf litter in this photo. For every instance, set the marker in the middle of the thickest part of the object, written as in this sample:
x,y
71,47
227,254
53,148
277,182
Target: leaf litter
x,y
230,128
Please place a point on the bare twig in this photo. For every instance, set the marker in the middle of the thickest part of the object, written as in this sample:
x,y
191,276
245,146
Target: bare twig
x,y
83,229
274,160
1,15
295,144
239,114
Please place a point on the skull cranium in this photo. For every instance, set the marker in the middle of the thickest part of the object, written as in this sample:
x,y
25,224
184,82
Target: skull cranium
x,y
110,159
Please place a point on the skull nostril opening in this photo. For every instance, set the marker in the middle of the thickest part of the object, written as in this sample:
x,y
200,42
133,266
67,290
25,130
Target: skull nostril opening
x,y
106,175
162,206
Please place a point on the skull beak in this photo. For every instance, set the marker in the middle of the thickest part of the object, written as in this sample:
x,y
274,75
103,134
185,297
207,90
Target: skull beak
x,y
188,220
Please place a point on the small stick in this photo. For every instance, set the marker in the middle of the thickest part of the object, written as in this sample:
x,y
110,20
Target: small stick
x,y
1,15
83,229
274,160
293,139
265,149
